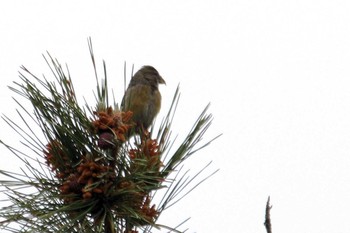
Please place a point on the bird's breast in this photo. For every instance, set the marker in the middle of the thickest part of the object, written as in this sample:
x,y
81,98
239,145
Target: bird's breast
x,y
144,102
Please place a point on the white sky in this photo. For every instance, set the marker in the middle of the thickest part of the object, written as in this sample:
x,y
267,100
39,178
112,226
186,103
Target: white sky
x,y
277,76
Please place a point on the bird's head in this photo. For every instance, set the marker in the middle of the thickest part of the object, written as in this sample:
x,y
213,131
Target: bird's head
x,y
150,75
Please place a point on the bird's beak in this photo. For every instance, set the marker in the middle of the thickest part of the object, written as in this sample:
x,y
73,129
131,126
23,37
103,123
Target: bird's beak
x,y
161,80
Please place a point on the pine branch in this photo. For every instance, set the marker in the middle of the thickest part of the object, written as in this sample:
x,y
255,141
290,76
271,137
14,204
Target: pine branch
x,y
84,173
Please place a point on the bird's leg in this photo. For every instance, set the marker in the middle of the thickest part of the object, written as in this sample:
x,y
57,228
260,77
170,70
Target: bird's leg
x,y
145,133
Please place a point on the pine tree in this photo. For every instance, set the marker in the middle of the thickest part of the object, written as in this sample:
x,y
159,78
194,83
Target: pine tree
x,y
91,173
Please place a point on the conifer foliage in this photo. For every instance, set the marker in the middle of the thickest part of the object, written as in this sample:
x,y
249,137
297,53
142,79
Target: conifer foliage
x,y
95,171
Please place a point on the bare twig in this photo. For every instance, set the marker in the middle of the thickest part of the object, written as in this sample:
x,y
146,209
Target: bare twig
x,y
267,222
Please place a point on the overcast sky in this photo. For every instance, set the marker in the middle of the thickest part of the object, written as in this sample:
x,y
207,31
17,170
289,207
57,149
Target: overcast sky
x,y
277,76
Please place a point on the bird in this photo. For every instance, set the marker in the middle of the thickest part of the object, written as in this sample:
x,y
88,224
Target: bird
x,y
142,97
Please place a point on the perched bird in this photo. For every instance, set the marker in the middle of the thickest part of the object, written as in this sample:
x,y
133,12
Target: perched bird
x,y
142,96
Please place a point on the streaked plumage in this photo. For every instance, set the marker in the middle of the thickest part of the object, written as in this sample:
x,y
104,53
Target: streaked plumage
x,y
142,96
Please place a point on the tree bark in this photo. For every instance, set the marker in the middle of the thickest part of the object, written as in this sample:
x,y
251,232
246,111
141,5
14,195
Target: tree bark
x,y
267,222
